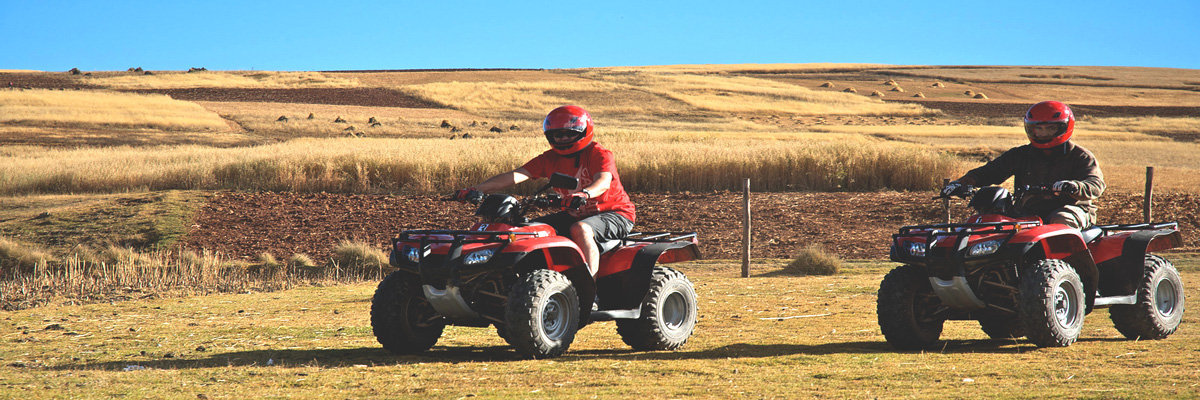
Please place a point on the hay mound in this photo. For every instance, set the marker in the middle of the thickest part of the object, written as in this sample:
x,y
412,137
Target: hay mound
x,y
891,82
877,94
969,93
813,260
445,123
980,96
282,118
898,89
827,84
937,84
919,94
849,90
496,129
339,120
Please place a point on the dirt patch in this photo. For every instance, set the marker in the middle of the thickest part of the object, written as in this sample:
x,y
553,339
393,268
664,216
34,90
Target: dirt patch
x,y
376,97
851,225
40,80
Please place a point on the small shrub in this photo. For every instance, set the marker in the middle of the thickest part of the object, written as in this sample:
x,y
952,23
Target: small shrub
x,y
359,258
21,257
301,260
813,260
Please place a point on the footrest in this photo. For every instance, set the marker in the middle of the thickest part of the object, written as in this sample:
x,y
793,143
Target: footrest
x,y
609,315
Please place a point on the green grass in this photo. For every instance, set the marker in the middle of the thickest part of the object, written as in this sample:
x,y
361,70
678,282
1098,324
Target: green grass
x,y
152,220
316,342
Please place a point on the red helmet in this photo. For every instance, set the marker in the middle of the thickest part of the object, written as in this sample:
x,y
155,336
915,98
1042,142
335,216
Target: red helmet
x,y
1050,112
568,120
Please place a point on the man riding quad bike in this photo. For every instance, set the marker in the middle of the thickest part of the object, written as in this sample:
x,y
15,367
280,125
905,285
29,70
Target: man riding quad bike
x,y
1019,276
532,283
1031,264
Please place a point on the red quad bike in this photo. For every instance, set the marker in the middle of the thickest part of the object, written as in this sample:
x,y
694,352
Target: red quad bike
x,y
1020,277
532,284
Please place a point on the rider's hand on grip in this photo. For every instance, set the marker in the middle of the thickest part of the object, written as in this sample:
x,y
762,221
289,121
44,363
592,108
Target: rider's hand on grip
x,y
955,189
575,201
1065,187
468,195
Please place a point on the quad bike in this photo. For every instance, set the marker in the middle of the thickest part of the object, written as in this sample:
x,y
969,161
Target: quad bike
x,y
1020,277
533,284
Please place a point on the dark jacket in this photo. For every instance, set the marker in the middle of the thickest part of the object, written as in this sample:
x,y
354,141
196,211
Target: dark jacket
x,y
1033,166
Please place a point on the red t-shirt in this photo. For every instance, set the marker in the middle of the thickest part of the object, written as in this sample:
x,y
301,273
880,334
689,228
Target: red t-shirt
x,y
592,160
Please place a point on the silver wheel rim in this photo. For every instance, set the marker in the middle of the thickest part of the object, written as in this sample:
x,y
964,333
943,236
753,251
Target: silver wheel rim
x,y
554,316
674,311
1066,305
1165,297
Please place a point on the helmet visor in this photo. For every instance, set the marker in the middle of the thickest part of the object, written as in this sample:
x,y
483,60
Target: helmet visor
x,y
1044,132
563,138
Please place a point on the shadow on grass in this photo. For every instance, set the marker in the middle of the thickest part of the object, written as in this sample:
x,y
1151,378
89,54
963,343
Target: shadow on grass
x,y
375,356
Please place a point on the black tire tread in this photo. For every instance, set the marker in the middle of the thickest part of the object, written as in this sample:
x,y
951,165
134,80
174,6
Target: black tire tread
x,y
521,331
645,333
1141,320
895,310
1036,286
390,320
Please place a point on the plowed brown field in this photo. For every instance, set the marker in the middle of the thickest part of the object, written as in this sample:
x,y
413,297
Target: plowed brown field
x,y
853,225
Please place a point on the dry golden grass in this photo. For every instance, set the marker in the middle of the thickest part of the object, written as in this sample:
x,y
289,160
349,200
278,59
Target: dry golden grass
x,y
438,165
754,95
54,108
224,79
405,78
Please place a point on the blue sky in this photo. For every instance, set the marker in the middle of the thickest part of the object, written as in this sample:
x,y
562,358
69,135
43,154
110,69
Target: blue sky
x,y
310,35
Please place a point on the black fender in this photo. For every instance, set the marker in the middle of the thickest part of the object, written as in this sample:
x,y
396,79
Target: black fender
x,y
625,290
1122,275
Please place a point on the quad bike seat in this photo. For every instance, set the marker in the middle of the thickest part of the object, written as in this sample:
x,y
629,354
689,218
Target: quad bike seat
x,y
1091,233
609,245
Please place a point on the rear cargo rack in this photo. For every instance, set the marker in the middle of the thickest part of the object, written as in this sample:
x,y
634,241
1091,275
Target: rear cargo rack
x,y
658,237
1136,227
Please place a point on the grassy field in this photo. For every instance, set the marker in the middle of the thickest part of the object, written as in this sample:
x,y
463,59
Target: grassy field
x,y
316,342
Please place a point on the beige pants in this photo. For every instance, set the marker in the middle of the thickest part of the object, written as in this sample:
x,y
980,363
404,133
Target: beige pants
x,y
1071,216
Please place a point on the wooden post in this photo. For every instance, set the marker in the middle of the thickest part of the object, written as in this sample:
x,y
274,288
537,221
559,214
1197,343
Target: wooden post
x,y
946,201
1148,198
746,228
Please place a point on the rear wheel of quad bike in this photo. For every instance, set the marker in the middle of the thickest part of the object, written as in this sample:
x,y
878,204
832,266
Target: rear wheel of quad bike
x,y
402,320
542,314
1002,327
668,313
906,308
1051,303
1159,308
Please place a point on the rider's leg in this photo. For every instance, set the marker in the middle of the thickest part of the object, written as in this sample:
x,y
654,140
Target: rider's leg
x,y
1071,216
590,233
584,236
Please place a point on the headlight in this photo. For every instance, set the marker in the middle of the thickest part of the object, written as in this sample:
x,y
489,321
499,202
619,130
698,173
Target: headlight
x,y
916,249
478,257
413,255
983,248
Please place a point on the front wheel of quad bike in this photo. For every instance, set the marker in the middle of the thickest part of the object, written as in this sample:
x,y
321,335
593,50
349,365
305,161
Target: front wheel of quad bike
x,y
542,314
907,309
402,320
1051,303
1159,308
1002,327
668,313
